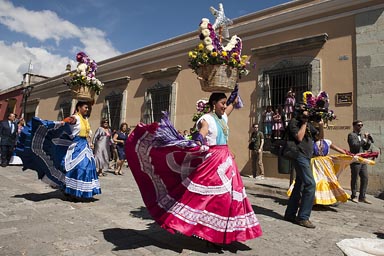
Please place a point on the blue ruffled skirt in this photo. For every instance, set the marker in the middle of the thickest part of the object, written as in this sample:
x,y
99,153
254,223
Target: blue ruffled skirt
x,y
59,160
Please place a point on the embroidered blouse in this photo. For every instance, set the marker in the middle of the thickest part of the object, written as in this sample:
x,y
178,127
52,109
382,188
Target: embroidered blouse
x,y
82,127
218,130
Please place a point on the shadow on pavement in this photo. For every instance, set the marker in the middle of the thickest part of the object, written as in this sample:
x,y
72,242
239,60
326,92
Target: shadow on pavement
x,y
52,195
323,208
141,213
279,200
37,197
126,239
379,235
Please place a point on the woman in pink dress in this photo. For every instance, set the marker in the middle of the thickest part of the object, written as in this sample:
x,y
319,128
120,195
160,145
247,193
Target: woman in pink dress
x,y
290,102
277,124
193,186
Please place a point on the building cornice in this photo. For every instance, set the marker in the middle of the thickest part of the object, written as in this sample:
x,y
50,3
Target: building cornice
x,y
163,72
300,44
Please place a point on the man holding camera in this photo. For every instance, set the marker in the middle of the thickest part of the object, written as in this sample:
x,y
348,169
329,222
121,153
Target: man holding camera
x,y
358,143
301,200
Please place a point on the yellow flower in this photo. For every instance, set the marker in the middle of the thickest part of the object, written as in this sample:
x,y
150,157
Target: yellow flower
x,y
224,53
192,54
214,54
305,96
200,47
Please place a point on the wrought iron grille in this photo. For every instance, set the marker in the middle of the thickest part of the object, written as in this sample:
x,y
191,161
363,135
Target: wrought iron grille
x,y
114,110
65,110
160,101
279,81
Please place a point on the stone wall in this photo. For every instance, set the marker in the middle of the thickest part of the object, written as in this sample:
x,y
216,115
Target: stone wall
x,y
369,93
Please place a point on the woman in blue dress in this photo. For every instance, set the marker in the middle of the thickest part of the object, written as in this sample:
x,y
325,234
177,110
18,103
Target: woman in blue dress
x,y
119,139
60,153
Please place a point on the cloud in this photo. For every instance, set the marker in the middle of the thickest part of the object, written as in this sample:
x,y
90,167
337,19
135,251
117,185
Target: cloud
x,y
44,26
18,56
41,25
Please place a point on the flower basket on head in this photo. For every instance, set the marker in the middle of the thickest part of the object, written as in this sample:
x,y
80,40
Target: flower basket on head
x,y
82,93
83,83
218,66
217,78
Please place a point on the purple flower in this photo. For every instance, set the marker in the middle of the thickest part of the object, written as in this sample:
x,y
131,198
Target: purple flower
x,y
82,57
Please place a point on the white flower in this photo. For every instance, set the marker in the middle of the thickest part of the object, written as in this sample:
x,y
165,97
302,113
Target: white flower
x,y
205,32
93,80
204,25
83,73
210,47
82,67
207,41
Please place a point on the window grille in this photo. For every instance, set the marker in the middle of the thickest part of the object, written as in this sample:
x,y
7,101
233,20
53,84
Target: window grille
x,y
65,110
112,110
157,99
278,82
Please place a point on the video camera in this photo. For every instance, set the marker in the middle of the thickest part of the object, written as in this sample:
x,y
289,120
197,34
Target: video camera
x,y
314,114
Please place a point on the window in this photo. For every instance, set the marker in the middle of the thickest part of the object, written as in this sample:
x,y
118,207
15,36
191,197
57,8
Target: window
x,y
279,81
157,99
11,107
65,110
112,110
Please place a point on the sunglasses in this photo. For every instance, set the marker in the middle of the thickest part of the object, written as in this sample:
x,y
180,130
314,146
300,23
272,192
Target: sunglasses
x,y
359,125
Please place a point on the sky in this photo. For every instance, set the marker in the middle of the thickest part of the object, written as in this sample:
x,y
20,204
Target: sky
x,y
49,33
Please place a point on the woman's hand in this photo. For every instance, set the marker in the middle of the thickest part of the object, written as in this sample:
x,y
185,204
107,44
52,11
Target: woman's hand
x,y
70,120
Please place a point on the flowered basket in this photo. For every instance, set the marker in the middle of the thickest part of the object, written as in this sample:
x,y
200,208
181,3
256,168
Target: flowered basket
x,y
217,78
83,93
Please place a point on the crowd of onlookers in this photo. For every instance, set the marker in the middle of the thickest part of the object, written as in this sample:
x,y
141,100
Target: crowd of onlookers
x,y
108,148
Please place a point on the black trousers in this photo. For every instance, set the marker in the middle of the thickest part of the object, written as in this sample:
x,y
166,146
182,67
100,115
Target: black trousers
x,y
6,153
358,169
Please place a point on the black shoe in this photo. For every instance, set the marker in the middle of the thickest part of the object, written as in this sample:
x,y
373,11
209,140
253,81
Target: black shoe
x,y
291,219
3,165
305,223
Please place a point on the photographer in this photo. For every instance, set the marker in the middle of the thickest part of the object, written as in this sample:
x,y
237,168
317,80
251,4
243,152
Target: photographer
x,y
359,143
301,200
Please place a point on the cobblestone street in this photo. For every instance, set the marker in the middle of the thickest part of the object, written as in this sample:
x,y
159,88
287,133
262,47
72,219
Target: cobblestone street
x,y
37,220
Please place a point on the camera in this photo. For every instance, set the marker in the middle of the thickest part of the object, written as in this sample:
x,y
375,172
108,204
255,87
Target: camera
x,y
314,114
369,137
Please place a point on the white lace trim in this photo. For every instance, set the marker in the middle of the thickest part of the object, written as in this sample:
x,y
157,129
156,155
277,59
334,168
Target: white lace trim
x,y
212,220
83,186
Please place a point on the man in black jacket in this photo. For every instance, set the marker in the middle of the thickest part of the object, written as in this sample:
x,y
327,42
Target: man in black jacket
x,y
359,143
301,200
8,134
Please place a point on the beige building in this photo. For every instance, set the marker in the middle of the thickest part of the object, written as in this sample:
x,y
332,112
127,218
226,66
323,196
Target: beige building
x,y
335,46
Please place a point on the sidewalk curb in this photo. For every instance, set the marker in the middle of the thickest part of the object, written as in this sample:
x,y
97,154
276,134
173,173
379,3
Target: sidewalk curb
x,y
271,186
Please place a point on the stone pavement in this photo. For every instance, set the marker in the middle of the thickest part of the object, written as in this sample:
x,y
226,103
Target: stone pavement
x,y
37,220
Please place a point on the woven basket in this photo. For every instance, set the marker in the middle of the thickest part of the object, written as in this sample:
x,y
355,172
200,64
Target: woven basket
x,y
83,93
217,78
